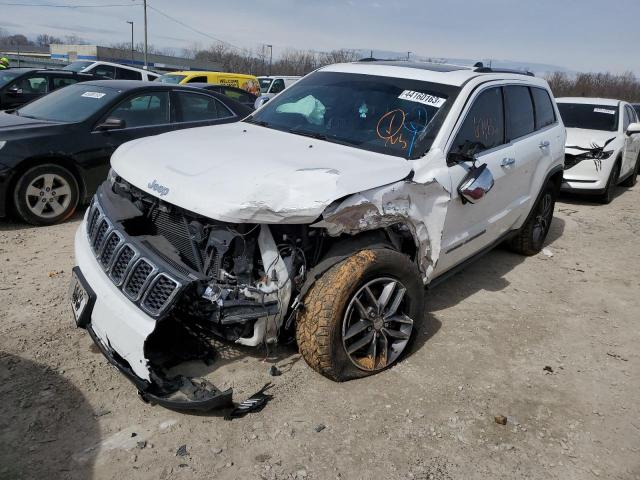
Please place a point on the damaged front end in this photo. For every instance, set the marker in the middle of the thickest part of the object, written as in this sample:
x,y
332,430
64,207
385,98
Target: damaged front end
x,y
188,281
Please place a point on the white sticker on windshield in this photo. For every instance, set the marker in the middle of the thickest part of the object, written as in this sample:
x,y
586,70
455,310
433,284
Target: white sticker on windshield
x,y
604,110
423,98
93,94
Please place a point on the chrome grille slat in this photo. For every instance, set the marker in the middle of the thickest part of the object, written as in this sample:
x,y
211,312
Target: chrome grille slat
x,y
137,277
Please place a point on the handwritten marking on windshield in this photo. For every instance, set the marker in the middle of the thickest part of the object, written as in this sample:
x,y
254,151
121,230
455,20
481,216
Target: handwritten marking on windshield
x,y
389,128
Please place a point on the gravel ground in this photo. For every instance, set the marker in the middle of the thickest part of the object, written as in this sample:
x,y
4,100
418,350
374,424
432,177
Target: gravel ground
x,y
549,342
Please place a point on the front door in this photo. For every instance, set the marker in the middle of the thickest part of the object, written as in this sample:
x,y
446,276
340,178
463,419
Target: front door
x,y
470,227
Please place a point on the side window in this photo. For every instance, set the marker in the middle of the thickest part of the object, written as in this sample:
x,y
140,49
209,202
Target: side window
x,y
519,111
199,79
277,86
38,85
104,71
545,114
195,107
126,74
483,127
143,110
59,82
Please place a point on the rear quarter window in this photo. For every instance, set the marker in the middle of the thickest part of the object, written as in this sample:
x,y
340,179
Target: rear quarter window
x,y
545,114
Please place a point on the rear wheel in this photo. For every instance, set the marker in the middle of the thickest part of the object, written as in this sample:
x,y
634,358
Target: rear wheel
x,y
46,194
359,316
631,180
532,235
609,190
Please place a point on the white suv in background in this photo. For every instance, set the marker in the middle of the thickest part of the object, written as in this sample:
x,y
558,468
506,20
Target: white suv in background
x,y
603,145
114,71
320,217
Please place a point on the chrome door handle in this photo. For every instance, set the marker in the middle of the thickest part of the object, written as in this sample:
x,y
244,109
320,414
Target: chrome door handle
x,y
507,162
544,144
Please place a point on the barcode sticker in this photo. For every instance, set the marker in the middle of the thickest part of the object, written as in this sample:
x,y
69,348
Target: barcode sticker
x,y
423,98
604,110
93,94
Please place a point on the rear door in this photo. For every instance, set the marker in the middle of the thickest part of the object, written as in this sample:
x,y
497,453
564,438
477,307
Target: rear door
x,y
471,227
195,109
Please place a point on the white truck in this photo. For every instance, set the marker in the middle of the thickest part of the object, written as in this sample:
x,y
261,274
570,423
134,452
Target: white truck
x,y
323,216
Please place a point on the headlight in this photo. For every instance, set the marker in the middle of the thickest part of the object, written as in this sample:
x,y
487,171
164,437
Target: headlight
x,y
112,176
599,155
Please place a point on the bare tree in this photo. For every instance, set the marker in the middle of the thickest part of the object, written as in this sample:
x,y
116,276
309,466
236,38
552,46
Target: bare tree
x,y
623,87
44,40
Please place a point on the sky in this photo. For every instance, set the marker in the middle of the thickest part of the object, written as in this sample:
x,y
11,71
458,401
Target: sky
x,y
579,35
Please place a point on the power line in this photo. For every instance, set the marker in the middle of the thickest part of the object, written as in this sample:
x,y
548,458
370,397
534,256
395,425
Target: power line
x,y
49,5
194,29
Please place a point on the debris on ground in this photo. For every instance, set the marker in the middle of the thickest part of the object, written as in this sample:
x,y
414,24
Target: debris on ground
x,y
617,357
548,369
274,371
254,403
547,252
500,419
318,428
182,451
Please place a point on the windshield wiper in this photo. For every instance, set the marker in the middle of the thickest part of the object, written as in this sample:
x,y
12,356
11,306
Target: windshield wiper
x,y
261,123
304,133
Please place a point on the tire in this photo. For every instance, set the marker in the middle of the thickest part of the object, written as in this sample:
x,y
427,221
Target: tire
x,y
632,179
46,194
331,321
530,238
609,190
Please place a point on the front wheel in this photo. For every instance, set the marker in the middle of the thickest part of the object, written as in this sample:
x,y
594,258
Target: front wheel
x,y
359,317
612,181
46,194
530,239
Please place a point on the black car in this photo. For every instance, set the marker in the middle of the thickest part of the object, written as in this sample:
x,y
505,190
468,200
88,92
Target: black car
x,y
55,151
21,85
636,107
235,93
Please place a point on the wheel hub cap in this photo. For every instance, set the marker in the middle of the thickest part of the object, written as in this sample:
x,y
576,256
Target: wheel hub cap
x,y
48,195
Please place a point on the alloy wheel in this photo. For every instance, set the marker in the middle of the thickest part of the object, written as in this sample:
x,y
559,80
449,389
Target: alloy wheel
x,y
48,195
376,328
543,218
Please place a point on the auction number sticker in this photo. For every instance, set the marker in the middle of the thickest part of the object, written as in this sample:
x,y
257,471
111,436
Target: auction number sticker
x,y
93,94
604,110
423,98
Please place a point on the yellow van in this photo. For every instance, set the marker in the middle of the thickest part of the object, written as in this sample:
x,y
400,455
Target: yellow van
x,y
249,83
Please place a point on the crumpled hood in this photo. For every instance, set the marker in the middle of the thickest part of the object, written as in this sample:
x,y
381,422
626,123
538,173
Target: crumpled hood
x,y
245,173
580,137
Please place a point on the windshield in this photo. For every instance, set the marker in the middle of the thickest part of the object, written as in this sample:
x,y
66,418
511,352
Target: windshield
x,y
169,78
7,75
591,117
77,66
265,83
74,103
394,116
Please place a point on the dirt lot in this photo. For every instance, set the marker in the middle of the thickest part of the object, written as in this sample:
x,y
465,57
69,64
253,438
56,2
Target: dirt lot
x,y
550,342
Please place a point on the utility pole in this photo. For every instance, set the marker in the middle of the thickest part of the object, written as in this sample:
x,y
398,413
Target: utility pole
x,y
132,59
270,57
408,55
145,35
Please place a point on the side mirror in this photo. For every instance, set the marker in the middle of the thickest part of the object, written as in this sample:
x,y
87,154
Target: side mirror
x,y
112,123
476,184
261,101
633,128
15,90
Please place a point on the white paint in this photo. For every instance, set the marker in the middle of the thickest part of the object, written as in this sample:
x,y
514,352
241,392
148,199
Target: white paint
x,y
245,173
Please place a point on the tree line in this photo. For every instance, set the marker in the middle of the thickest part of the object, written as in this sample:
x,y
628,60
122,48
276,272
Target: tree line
x,y
603,85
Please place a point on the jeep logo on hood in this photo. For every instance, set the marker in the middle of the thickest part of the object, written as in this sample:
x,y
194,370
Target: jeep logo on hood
x,y
161,189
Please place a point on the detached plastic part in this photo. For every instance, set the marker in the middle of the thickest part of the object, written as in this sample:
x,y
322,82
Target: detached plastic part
x,y
189,394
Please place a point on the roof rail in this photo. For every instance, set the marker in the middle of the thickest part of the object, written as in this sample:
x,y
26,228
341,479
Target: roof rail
x,y
480,68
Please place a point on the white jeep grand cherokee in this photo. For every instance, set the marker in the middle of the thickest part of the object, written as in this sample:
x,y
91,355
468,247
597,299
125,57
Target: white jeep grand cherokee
x,y
322,216
603,145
